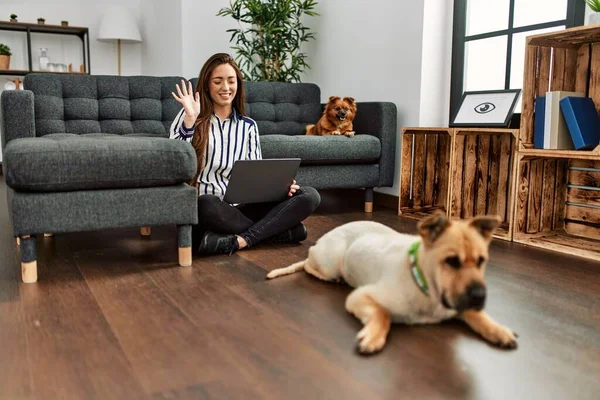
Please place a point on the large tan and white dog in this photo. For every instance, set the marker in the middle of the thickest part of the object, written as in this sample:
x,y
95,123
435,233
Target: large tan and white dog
x,y
411,279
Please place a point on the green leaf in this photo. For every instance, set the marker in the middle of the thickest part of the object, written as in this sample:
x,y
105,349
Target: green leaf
x,y
594,5
269,47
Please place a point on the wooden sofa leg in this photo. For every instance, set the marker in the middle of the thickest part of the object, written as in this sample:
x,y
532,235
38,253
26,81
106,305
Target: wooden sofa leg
x,y
145,230
28,259
184,243
369,200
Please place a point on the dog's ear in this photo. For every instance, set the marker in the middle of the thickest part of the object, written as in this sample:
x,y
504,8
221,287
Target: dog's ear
x,y
349,100
486,225
433,226
333,98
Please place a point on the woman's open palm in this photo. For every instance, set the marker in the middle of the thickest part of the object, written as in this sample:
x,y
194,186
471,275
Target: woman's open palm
x,y
189,101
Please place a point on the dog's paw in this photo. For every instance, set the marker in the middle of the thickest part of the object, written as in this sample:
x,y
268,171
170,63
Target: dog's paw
x,y
502,336
349,134
336,133
370,339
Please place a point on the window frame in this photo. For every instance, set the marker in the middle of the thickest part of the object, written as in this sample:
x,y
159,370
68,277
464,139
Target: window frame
x,y
575,17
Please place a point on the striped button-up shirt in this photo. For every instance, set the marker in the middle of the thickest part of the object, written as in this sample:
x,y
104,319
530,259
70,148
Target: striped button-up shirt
x,y
235,138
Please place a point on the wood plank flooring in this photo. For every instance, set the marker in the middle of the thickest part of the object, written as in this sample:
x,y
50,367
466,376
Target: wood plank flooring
x,y
113,316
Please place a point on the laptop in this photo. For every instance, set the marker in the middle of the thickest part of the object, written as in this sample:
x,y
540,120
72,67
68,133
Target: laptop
x,y
260,181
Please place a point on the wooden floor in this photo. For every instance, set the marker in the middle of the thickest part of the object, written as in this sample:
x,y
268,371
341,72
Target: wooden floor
x,y
114,317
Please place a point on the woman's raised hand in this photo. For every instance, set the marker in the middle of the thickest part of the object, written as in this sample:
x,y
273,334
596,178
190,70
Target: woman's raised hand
x,y
189,100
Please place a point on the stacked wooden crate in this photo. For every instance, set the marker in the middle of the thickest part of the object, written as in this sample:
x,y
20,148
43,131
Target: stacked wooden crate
x,y
558,191
425,171
547,198
462,171
483,174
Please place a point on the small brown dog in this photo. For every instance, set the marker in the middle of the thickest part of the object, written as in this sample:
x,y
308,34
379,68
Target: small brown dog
x,y
410,279
336,119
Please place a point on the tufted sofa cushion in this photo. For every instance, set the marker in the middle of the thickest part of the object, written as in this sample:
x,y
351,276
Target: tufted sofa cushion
x,y
102,104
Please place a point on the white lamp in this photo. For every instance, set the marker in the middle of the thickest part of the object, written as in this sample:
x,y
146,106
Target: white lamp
x,y
118,24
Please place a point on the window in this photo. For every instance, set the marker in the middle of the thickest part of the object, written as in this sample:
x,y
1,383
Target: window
x,y
488,48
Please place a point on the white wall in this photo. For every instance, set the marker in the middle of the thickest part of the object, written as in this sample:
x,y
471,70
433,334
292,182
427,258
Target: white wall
x,y
372,52
204,33
161,28
180,35
436,63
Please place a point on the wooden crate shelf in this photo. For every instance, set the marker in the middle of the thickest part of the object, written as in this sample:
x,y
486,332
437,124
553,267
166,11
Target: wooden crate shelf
x,y
483,171
547,198
462,171
557,200
425,171
563,242
571,154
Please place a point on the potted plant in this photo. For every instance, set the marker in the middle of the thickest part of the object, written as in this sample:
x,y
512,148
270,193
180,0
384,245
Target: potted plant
x,y
13,17
64,23
5,54
594,18
41,21
268,44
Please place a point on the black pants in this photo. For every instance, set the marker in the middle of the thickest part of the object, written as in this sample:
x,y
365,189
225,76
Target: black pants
x,y
253,222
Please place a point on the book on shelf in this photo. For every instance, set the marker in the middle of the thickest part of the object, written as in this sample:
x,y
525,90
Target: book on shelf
x,y
582,121
556,132
539,115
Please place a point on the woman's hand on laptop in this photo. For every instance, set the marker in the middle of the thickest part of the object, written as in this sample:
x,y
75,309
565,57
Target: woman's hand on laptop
x,y
293,188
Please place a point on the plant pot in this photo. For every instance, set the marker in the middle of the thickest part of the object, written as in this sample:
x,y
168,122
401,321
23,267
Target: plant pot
x,y
13,20
4,62
64,23
593,19
41,22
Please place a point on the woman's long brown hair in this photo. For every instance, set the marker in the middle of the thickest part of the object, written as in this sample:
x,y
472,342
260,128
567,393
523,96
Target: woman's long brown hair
x,y
202,124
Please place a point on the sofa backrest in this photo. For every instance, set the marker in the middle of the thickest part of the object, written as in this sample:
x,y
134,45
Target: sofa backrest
x,y
282,108
71,103
81,104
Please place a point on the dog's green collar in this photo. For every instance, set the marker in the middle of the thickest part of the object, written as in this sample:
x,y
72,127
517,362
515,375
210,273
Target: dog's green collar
x,y
416,271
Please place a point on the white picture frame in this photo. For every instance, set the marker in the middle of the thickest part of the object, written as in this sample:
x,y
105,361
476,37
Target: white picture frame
x,y
489,108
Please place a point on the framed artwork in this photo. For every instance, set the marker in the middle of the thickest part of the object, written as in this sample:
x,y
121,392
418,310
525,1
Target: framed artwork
x,y
490,108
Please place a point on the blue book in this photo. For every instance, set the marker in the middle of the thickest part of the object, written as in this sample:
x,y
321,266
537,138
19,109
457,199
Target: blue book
x,y
539,118
582,120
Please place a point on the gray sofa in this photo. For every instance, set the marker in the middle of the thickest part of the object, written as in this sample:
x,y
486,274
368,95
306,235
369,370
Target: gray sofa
x,y
90,152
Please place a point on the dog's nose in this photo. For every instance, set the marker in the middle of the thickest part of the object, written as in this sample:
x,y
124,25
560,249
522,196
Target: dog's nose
x,y
476,296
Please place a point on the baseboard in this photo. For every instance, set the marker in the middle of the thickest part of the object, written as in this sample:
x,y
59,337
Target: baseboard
x,y
385,200
358,195
1,173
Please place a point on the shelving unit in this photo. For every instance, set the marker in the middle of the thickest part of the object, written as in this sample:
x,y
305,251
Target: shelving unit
x,y
557,203
425,171
483,172
574,154
462,171
81,32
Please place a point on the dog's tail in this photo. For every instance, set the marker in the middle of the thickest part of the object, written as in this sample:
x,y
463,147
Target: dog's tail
x,y
299,266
